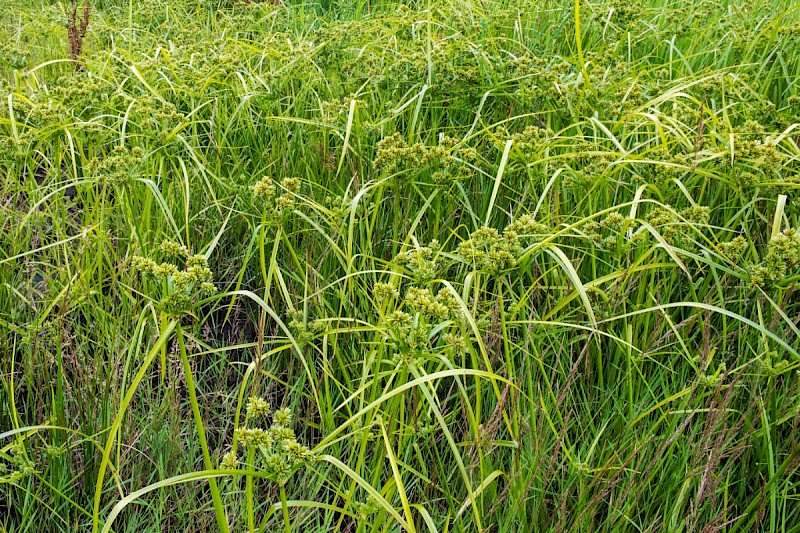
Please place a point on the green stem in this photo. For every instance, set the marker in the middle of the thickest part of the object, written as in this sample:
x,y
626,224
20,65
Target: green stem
x,y
580,44
248,490
219,511
163,357
285,509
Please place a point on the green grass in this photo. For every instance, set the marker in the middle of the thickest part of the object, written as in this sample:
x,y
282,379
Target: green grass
x,y
537,272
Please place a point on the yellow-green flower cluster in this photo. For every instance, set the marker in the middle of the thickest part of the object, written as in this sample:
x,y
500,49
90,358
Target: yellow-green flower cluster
x,y
760,151
229,461
408,358
14,149
394,154
302,330
54,451
410,330
253,436
424,429
531,141
661,165
790,30
456,342
733,249
441,177
407,336
665,221
338,210
526,225
276,206
613,222
422,301
366,508
12,55
587,167
118,167
399,319
283,418
80,89
18,465
384,291
280,453
448,300
712,380
696,214
422,262
625,12
257,407
783,254
746,178
265,188
489,250
174,249
538,77
182,287
673,225
161,114
337,111
772,364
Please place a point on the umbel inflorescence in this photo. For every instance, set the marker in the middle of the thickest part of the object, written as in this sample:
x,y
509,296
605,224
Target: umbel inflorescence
x,y
426,318
274,205
277,453
445,159
17,464
181,288
489,250
783,255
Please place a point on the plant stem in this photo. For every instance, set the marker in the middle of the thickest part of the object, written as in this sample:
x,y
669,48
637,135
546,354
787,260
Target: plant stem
x,y
248,490
219,511
287,525
580,44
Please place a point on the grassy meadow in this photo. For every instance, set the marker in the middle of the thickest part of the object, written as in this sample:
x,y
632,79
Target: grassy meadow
x,y
383,266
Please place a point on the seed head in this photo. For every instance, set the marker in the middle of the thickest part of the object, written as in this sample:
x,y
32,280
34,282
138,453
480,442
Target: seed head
x,y
283,417
257,407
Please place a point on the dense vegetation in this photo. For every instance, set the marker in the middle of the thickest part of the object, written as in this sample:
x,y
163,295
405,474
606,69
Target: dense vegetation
x,y
380,266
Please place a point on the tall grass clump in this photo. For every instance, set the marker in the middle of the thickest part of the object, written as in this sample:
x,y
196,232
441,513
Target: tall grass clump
x,y
399,266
